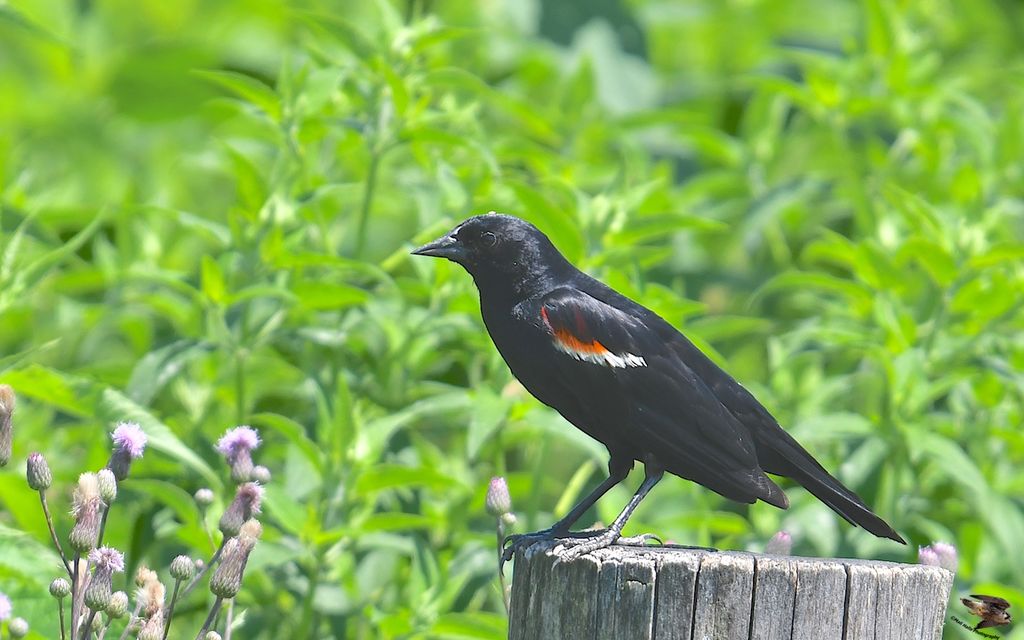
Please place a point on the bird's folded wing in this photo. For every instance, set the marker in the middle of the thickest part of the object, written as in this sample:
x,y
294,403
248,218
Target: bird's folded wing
x,y
673,412
993,600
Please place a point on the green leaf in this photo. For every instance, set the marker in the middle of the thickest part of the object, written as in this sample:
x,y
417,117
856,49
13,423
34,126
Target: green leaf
x,y
382,477
477,625
489,413
248,88
213,284
294,433
51,387
320,296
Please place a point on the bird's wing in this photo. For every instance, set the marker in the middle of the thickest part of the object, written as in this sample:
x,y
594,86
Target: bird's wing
x,y
986,623
672,412
995,601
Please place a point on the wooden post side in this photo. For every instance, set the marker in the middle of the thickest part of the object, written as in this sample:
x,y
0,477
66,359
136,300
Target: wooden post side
x,y
673,593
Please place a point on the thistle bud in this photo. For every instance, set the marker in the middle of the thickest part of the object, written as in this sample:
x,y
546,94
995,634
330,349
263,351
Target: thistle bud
x,y
118,605
237,446
105,562
154,628
18,628
85,507
60,588
498,501
261,474
129,444
204,498
780,544
38,472
227,577
182,568
97,623
107,484
6,423
243,507
212,635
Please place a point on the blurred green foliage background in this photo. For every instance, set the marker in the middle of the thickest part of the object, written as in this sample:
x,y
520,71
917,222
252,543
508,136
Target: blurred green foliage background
x,y
206,210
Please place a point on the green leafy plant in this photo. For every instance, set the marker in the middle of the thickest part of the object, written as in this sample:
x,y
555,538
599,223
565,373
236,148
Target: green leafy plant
x,y
205,216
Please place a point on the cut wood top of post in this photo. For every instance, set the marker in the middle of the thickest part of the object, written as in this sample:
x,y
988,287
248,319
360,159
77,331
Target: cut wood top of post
x,y
677,593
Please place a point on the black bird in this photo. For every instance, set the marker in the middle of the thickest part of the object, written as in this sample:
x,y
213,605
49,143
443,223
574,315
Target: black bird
x,y
625,377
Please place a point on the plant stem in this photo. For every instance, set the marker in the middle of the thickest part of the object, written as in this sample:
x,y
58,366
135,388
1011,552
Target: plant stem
x,y
103,631
60,613
367,205
103,526
132,618
209,619
74,594
53,533
239,386
170,609
230,619
88,625
199,576
500,530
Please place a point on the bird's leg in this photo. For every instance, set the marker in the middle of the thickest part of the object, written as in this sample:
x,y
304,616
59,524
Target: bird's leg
x,y
570,549
617,472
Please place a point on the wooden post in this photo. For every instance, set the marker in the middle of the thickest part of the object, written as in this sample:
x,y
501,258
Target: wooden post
x,y
672,593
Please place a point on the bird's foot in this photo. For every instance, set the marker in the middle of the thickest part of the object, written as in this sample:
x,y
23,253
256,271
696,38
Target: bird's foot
x,y
572,548
516,541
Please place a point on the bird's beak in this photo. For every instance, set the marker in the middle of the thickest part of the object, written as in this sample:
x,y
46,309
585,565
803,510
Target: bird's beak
x,y
444,247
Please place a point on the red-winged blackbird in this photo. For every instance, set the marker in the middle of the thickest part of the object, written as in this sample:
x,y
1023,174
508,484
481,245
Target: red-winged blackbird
x,y
626,377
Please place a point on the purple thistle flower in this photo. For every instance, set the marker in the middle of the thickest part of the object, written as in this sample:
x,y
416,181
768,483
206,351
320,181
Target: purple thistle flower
x,y
105,561
5,607
130,438
129,444
237,446
947,555
928,556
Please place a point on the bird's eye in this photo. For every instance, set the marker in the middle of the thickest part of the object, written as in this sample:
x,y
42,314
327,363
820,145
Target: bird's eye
x,y
488,239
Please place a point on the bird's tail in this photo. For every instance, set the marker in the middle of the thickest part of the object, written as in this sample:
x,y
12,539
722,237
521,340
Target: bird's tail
x,y
784,456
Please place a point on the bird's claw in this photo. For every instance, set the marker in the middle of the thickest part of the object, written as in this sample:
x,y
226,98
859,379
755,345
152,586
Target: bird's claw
x,y
516,541
573,548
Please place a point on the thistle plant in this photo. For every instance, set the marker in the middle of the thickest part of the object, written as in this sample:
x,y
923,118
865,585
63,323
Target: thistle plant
x,y
92,568
237,446
16,627
780,544
498,503
939,554
129,444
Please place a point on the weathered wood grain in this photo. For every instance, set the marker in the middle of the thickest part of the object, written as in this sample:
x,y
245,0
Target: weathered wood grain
x,y
675,593
669,593
774,598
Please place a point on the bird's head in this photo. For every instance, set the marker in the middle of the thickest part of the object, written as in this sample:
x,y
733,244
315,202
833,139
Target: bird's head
x,y
497,247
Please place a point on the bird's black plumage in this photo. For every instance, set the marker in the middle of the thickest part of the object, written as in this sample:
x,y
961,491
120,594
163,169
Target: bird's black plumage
x,y
626,377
